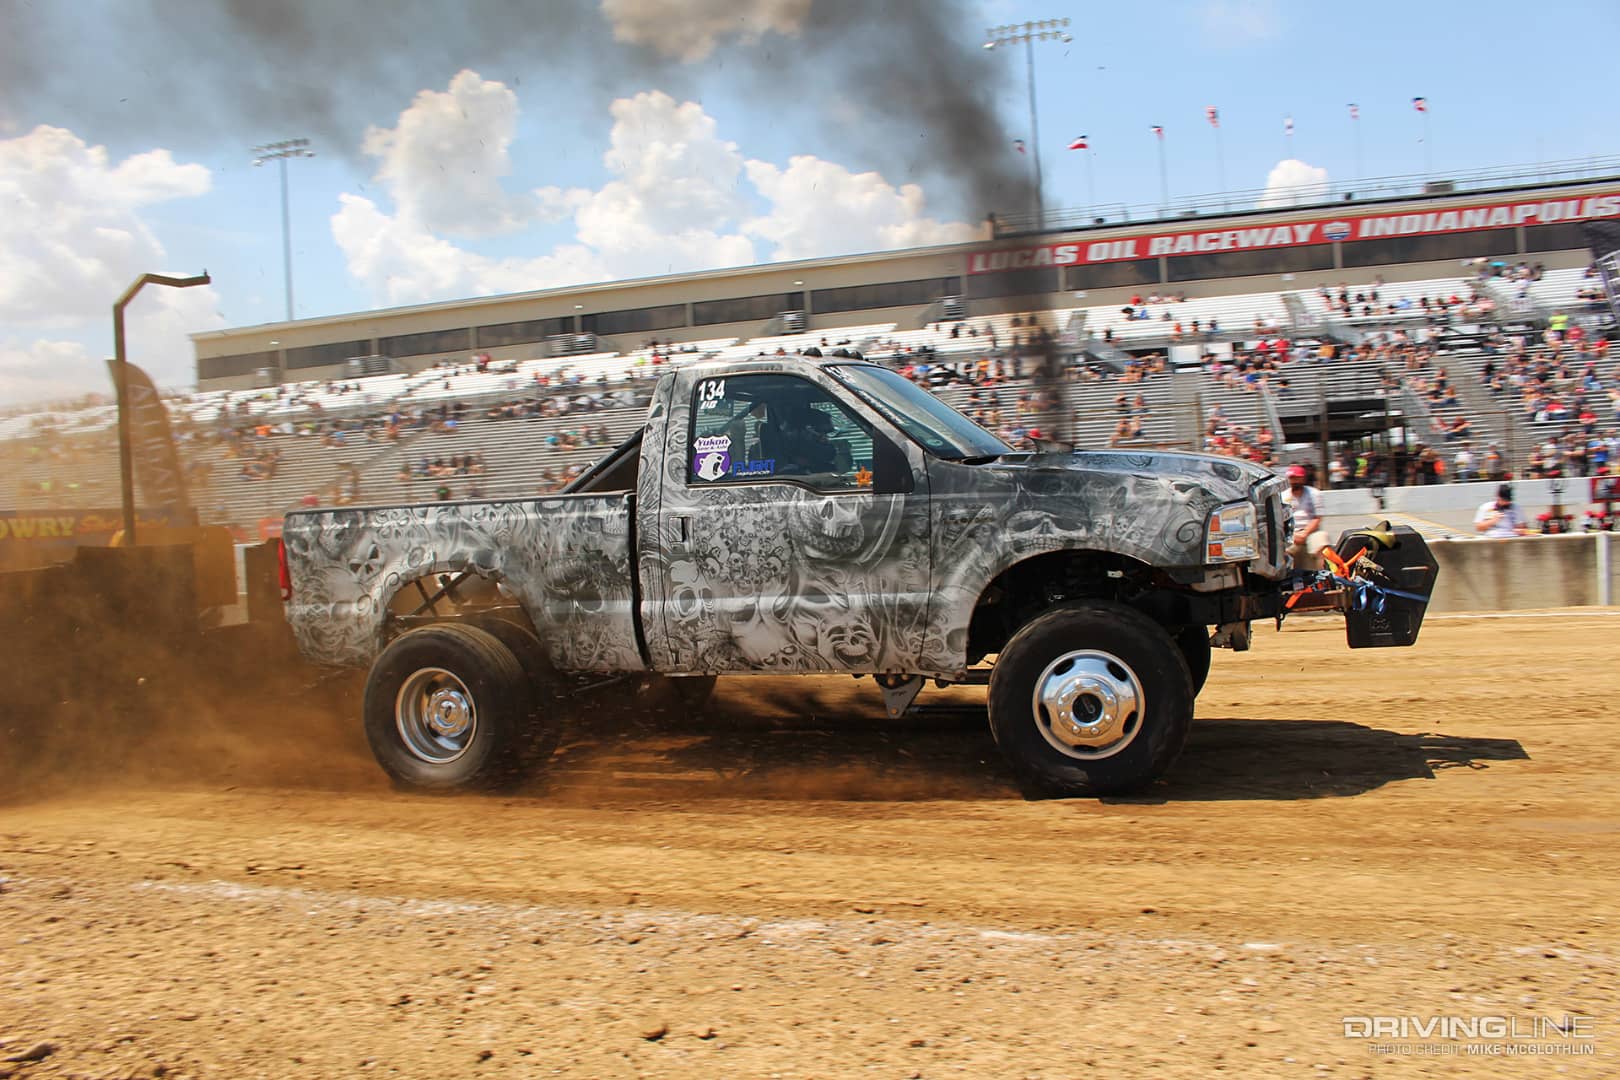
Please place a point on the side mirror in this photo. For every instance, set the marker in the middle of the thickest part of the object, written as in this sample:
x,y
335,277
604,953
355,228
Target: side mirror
x,y
891,472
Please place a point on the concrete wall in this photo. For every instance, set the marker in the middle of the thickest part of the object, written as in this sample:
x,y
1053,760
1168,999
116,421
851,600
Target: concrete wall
x,y
1523,572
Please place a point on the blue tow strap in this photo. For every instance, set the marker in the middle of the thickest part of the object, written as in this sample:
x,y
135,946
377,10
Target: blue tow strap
x,y
1369,596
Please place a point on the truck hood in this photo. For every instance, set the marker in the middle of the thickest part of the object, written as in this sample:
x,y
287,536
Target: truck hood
x,y
1227,479
1151,506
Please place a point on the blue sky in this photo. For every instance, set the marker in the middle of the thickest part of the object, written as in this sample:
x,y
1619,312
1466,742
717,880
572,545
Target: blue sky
x,y
507,174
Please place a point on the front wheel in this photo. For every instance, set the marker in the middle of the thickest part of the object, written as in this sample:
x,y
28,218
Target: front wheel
x,y
1090,699
447,706
1193,641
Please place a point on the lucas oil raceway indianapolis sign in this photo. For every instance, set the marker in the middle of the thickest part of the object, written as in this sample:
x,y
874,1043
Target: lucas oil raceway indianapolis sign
x,y
1299,233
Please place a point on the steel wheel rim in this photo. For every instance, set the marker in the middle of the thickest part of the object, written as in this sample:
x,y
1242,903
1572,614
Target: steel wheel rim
x,y
436,716
1088,704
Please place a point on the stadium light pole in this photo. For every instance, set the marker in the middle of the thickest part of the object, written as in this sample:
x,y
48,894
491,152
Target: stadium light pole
x,y
1029,33
279,152
126,461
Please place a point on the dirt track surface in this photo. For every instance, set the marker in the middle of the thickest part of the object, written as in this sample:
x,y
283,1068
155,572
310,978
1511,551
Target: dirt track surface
x,y
791,886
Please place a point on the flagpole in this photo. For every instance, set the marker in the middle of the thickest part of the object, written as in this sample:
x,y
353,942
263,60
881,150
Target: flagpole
x,y
1091,183
1164,179
1428,147
1220,166
1355,128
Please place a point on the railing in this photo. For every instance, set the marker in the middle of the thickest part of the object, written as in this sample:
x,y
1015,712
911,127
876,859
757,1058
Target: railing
x,y
1110,215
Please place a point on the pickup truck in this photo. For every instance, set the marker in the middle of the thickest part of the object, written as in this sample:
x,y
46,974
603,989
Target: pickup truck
x,y
821,515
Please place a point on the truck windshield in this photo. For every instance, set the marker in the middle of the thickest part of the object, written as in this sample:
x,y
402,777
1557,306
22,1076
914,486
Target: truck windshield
x,y
940,429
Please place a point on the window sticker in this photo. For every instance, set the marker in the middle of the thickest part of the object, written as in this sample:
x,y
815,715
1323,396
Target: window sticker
x,y
711,456
757,467
711,392
863,476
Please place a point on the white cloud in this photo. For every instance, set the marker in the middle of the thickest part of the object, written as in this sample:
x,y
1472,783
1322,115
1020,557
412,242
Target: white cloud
x,y
821,208
71,240
71,237
1234,23
1292,182
689,30
679,197
48,370
445,159
675,189
403,263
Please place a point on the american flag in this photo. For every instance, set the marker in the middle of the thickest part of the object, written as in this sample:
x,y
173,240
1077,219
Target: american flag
x,y
1158,129
1018,145
1355,111
1421,104
1288,125
1080,142
1213,114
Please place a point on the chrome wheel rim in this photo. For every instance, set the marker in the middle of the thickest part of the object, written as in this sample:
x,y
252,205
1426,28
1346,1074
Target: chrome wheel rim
x,y
435,715
1088,704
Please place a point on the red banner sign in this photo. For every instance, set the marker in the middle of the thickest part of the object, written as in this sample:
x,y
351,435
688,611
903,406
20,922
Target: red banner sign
x,y
1324,230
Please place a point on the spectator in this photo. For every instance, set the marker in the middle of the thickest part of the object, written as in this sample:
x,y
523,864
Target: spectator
x,y
1308,539
1501,517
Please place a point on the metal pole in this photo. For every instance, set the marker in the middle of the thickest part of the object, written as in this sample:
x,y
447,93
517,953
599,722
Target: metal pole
x,y
1220,168
1428,147
1035,133
1029,33
286,238
126,460
1091,184
1164,180
279,152
1355,126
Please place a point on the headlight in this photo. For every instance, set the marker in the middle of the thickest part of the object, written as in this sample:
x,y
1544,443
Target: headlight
x,y
1230,534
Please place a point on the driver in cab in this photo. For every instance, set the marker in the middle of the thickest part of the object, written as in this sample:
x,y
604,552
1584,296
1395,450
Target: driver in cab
x,y
800,440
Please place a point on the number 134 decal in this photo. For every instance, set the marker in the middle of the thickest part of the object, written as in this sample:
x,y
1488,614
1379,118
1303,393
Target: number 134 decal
x,y
711,392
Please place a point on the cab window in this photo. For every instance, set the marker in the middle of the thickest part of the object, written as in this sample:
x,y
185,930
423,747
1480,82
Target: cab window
x,y
760,428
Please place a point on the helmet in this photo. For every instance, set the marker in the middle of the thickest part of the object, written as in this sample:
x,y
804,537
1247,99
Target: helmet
x,y
1296,472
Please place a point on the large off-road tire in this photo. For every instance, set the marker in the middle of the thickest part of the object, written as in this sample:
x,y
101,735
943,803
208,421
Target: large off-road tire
x,y
448,707
1193,641
549,693
1090,698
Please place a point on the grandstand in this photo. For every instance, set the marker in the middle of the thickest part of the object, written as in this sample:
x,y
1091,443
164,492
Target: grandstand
x,y
1260,353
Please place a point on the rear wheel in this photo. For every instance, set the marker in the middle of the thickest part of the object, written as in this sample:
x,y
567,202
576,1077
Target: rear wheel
x,y
447,707
1090,699
551,706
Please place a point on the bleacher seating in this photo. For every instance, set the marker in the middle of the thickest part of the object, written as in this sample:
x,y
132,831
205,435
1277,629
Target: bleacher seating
x,y
67,456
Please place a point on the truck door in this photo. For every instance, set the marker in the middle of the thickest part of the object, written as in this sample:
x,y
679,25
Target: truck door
x,y
795,530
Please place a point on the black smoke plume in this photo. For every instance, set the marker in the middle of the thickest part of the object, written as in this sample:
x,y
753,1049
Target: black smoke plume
x,y
193,74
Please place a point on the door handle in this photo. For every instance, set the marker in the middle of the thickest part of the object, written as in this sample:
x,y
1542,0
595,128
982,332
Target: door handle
x,y
683,533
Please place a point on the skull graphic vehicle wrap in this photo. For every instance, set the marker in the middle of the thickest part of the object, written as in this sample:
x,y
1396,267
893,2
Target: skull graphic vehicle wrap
x,y
566,560
763,573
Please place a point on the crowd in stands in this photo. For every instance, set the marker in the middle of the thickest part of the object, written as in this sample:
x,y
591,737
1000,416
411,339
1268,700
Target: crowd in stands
x,y
1561,384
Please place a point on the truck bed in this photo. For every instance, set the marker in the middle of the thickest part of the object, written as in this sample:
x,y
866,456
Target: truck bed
x,y
566,558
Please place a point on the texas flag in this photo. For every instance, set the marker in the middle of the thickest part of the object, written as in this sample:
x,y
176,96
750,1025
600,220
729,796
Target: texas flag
x,y
1213,114
1018,145
1288,125
1421,104
1080,142
1158,129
